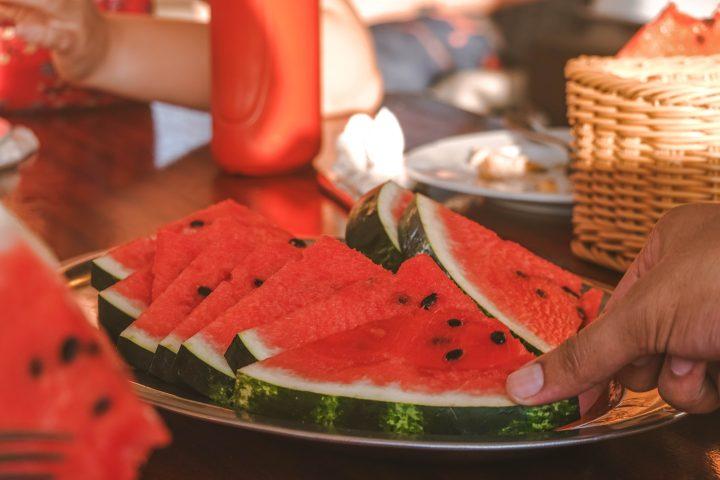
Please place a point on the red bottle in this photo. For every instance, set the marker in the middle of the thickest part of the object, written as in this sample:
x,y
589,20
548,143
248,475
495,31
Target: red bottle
x,y
265,85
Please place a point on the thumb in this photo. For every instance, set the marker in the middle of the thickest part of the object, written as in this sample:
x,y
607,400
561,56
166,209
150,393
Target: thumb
x,y
583,361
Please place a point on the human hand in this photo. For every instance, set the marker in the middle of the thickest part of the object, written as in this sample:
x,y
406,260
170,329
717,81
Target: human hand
x,y
74,30
661,328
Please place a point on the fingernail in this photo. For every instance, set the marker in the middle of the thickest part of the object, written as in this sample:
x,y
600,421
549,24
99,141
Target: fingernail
x,y
641,362
680,366
526,382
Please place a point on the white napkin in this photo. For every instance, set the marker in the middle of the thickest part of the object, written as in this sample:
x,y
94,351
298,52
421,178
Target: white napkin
x,y
16,146
369,152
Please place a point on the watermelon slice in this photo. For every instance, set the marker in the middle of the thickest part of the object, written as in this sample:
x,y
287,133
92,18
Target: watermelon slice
x,y
540,302
121,304
419,285
675,33
122,261
437,372
373,224
62,375
249,275
325,267
228,242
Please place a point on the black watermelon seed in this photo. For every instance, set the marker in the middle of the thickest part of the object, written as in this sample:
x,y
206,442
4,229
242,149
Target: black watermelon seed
x,y
541,293
92,348
582,314
257,282
197,224
521,274
36,367
585,288
455,322
69,349
440,341
204,291
570,291
296,242
700,39
498,337
429,301
453,355
403,299
102,406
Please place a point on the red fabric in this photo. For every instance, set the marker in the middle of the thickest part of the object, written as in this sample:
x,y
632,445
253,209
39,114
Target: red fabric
x,y
28,79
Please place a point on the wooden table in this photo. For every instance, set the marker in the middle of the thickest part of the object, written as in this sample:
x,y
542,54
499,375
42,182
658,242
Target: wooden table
x,y
106,176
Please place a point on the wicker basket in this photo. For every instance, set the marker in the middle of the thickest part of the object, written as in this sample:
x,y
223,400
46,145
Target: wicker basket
x,y
647,138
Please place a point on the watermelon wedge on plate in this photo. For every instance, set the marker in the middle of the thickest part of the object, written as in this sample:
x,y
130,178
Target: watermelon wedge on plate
x,y
539,301
325,267
420,285
439,372
62,377
252,272
225,244
373,224
122,303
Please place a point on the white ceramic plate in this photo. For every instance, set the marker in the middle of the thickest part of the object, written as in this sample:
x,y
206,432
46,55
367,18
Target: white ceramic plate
x,y
444,164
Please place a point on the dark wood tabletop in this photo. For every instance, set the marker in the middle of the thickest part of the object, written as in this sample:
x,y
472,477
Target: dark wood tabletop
x,y
106,176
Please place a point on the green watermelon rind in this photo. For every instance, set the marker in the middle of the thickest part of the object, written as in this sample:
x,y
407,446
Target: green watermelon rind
x,y
136,348
199,373
369,231
240,352
420,234
106,272
163,364
116,312
257,396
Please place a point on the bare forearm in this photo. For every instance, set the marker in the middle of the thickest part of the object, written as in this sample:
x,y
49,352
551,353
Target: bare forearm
x,y
153,59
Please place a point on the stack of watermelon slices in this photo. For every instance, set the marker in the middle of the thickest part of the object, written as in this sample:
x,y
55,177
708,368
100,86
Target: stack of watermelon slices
x,y
237,294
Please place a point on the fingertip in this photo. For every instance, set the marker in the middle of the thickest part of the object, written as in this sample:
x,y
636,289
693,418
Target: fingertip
x,y
525,383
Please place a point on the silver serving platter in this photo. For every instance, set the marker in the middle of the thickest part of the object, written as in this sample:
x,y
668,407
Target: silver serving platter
x,y
618,413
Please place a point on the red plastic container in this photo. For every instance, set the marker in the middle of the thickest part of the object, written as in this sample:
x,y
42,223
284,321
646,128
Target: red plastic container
x,y
266,84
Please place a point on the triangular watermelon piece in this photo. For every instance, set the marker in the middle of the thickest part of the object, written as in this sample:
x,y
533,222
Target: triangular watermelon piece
x,y
439,372
62,376
325,267
260,265
124,302
539,301
226,243
675,33
420,285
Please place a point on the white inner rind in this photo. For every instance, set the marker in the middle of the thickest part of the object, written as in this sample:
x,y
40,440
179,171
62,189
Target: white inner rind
x,y
201,349
256,346
113,267
132,308
387,197
172,342
140,338
365,390
439,241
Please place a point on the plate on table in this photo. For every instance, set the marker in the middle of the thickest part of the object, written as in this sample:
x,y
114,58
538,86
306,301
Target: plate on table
x,y
502,165
617,414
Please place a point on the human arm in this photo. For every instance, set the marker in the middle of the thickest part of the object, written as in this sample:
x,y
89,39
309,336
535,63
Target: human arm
x,y
661,327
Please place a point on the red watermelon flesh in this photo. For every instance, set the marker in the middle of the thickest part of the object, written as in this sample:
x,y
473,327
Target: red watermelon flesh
x,y
536,299
326,266
125,259
62,375
175,250
419,285
422,354
226,244
675,33
260,265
